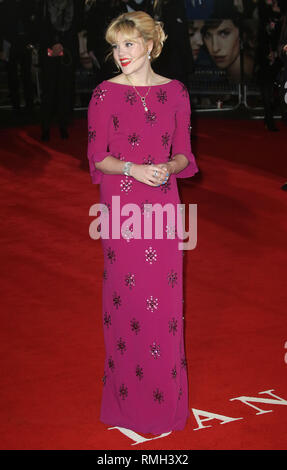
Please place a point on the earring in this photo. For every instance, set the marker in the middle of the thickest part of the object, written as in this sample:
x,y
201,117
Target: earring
x,y
149,56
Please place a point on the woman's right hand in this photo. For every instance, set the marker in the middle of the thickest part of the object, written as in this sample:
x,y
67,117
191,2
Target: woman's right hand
x,y
146,174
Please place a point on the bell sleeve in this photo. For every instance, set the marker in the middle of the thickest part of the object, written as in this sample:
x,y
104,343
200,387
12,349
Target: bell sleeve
x,y
181,143
99,117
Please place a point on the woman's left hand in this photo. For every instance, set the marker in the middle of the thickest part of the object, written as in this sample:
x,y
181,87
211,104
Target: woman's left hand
x,y
168,171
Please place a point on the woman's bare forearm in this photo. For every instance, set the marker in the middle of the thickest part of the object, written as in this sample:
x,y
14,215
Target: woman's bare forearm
x,y
177,164
152,175
111,165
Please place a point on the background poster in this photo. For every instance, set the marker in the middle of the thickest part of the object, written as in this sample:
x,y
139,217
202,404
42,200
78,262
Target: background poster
x,y
222,35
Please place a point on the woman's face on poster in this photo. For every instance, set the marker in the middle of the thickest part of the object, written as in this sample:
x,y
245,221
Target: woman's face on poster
x,y
223,43
195,37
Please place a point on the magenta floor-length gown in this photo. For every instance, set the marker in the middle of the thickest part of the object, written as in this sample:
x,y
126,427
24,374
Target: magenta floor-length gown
x,y
145,386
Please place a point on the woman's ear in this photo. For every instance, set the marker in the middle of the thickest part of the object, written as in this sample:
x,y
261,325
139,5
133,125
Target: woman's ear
x,y
149,45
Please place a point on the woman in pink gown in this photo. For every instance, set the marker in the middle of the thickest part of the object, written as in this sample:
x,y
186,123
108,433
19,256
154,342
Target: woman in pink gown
x,y
142,118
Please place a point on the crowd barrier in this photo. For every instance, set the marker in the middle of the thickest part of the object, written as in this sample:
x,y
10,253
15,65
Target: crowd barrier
x,y
202,91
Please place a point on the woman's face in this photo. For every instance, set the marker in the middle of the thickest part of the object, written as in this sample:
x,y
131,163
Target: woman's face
x,y
195,37
223,43
130,53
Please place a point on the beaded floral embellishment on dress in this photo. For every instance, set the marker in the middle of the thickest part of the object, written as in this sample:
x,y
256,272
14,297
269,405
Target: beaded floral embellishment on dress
x,y
99,94
155,350
165,186
152,303
148,160
131,97
117,300
172,326
123,391
119,156
107,320
135,326
91,134
130,280
111,255
128,234
121,345
172,278
126,184
183,363
158,396
139,372
111,364
161,96
150,255
174,372
150,118
165,139
134,139
116,122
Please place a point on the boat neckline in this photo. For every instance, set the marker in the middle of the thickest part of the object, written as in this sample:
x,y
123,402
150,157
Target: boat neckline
x,y
140,86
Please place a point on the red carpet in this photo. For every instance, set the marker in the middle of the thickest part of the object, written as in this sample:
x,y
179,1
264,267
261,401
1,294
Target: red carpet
x,y
52,349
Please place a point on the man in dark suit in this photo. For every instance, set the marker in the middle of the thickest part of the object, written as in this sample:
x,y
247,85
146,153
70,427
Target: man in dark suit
x,y
268,63
18,34
58,22
174,60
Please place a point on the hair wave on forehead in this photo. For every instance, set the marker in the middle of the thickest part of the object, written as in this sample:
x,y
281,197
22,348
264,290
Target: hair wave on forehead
x,y
137,23
126,27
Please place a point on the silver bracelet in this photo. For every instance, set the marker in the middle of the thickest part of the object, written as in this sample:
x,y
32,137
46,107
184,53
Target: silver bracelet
x,y
127,168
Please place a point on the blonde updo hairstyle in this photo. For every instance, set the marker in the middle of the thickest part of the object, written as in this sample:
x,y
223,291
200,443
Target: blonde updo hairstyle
x,y
144,24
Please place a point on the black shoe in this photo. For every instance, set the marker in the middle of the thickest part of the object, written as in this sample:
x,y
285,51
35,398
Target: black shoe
x,y
270,125
64,133
45,135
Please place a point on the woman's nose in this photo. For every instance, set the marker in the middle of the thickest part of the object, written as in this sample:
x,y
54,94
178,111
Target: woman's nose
x,y
198,38
215,44
118,51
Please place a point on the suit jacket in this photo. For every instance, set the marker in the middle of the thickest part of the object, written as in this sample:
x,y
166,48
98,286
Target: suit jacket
x,y
283,38
48,35
268,37
18,21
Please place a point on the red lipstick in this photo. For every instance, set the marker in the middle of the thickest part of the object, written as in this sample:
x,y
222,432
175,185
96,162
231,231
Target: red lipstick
x,y
124,62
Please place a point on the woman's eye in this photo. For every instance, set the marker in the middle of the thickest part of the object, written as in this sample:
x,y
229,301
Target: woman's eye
x,y
114,46
224,33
